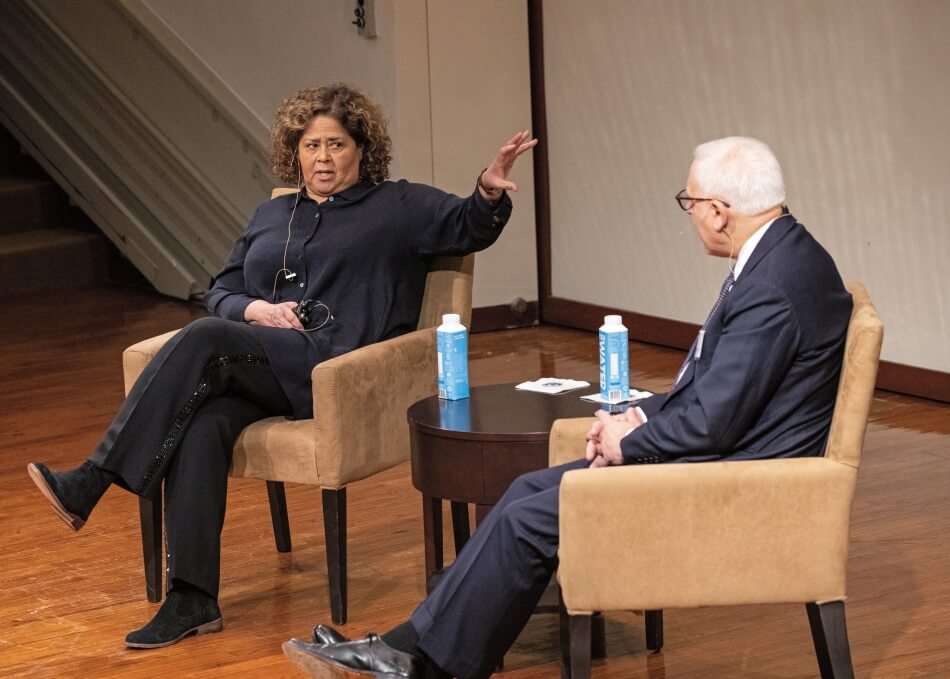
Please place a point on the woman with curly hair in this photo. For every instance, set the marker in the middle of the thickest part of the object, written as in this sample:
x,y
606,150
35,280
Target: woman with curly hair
x,y
339,264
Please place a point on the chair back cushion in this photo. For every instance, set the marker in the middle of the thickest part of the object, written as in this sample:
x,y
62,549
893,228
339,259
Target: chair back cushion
x,y
448,291
856,384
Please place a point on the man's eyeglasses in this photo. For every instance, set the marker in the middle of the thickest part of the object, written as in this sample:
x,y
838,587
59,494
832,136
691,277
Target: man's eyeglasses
x,y
686,203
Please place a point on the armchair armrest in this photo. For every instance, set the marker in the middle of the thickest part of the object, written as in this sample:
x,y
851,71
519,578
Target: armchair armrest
x,y
655,536
137,356
568,439
360,400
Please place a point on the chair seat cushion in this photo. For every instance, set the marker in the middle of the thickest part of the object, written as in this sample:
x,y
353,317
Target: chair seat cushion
x,y
283,450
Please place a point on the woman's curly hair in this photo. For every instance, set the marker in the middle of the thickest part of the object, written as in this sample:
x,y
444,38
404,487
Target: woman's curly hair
x,y
358,115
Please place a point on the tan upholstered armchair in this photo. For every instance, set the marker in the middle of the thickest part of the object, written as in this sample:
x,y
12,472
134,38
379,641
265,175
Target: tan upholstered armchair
x,y
731,533
326,451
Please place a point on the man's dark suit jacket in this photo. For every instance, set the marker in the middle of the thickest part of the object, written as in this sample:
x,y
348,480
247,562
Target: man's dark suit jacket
x,y
766,381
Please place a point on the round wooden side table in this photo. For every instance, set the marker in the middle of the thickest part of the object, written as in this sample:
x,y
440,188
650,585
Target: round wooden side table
x,y
470,450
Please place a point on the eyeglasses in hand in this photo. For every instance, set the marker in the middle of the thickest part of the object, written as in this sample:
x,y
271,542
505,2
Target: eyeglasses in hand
x,y
313,314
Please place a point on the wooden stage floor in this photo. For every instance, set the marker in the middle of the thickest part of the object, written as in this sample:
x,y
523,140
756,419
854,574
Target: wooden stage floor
x,y
67,600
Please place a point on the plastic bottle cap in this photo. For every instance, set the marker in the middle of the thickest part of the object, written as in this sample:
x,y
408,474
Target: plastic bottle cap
x,y
453,319
612,320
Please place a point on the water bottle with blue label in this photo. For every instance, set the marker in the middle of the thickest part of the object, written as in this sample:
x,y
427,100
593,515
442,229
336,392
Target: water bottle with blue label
x,y
614,361
452,345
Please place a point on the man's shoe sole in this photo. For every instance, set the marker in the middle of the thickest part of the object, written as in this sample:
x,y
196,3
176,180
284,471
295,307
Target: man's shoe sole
x,y
72,520
326,668
206,628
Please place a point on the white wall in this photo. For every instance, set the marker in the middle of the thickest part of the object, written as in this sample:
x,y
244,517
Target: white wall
x,y
419,68
481,96
852,95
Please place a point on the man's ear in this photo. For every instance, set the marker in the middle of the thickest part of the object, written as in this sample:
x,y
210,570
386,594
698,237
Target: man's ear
x,y
720,216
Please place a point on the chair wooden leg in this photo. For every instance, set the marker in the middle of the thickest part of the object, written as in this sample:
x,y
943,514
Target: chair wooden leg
x,y
830,635
334,528
575,642
150,519
579,633
654,630
598,636
564,638
278,515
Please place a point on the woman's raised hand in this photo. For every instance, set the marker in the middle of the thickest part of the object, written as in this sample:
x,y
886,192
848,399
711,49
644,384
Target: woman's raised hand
x,y
494,179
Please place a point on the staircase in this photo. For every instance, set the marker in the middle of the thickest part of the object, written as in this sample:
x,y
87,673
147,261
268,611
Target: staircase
x,y
45,244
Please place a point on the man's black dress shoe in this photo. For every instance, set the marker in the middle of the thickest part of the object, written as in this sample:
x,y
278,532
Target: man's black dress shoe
x,y
72,494
369,657
324,634
181,614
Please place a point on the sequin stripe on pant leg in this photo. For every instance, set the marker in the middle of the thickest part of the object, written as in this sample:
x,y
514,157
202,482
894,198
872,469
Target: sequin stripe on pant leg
x,y
184,415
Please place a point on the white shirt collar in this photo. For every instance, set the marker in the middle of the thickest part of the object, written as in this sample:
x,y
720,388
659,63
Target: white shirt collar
x,y
746,251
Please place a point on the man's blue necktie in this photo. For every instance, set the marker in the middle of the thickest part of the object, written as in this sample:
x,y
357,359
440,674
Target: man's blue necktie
x,y
726,287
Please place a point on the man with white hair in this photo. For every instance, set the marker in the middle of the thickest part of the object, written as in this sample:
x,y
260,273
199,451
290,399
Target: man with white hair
x,y
759,382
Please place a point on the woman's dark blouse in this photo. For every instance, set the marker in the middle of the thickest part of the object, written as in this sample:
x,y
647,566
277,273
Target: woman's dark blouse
x,y
363,252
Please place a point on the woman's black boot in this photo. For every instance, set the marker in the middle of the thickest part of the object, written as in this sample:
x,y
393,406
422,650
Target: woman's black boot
x,y
186,611
72,494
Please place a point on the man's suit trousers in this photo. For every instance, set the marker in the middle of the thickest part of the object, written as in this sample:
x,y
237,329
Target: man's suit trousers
x,y
484,599
179,424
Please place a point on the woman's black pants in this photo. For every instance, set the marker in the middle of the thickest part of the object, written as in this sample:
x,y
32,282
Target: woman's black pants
x,y
179,424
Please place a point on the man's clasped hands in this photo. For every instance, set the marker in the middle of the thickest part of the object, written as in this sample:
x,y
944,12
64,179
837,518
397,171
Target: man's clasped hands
x,y
603,439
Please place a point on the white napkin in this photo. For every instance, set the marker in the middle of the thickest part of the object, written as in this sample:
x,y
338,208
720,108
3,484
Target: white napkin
x,y
552,385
